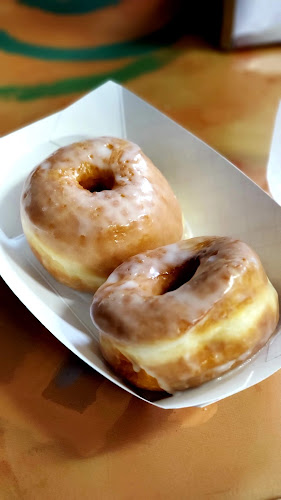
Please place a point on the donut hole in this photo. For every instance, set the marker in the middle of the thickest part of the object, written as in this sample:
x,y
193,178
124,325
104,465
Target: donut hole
x,y
181,275
103,182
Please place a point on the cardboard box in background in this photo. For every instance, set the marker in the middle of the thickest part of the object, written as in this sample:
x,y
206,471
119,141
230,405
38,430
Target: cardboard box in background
x,y
231,24
248,23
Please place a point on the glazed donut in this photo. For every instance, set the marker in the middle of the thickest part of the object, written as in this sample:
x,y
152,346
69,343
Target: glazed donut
x,y
91,205
180,315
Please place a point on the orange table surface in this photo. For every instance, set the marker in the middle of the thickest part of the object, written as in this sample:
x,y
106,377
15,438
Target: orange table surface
x,y
65,431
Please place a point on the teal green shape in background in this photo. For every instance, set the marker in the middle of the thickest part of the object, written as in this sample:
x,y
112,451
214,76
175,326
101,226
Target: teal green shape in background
x,y
69,6
81,84
134,48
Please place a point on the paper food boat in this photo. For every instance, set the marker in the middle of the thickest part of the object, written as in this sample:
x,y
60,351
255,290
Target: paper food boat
x,y
217,199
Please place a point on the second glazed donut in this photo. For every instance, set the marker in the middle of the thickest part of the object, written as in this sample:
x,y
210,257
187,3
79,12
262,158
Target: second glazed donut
x,y
180,315
91,205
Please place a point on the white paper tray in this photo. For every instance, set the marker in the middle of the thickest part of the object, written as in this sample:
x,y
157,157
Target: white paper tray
x,y
217,199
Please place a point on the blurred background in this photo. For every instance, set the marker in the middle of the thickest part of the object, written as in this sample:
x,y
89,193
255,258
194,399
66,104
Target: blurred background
x,y
214,67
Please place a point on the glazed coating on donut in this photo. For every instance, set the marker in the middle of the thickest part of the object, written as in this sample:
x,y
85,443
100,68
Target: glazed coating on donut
x,y
93,204
177,316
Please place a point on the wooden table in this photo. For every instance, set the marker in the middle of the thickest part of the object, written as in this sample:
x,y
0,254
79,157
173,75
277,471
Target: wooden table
x,y
65,431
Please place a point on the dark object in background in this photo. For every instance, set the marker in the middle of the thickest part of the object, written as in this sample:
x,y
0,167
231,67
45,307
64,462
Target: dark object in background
x,y
231,24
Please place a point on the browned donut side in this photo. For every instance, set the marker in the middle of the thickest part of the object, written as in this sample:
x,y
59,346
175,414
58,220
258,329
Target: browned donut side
x,y
125,368
205,360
